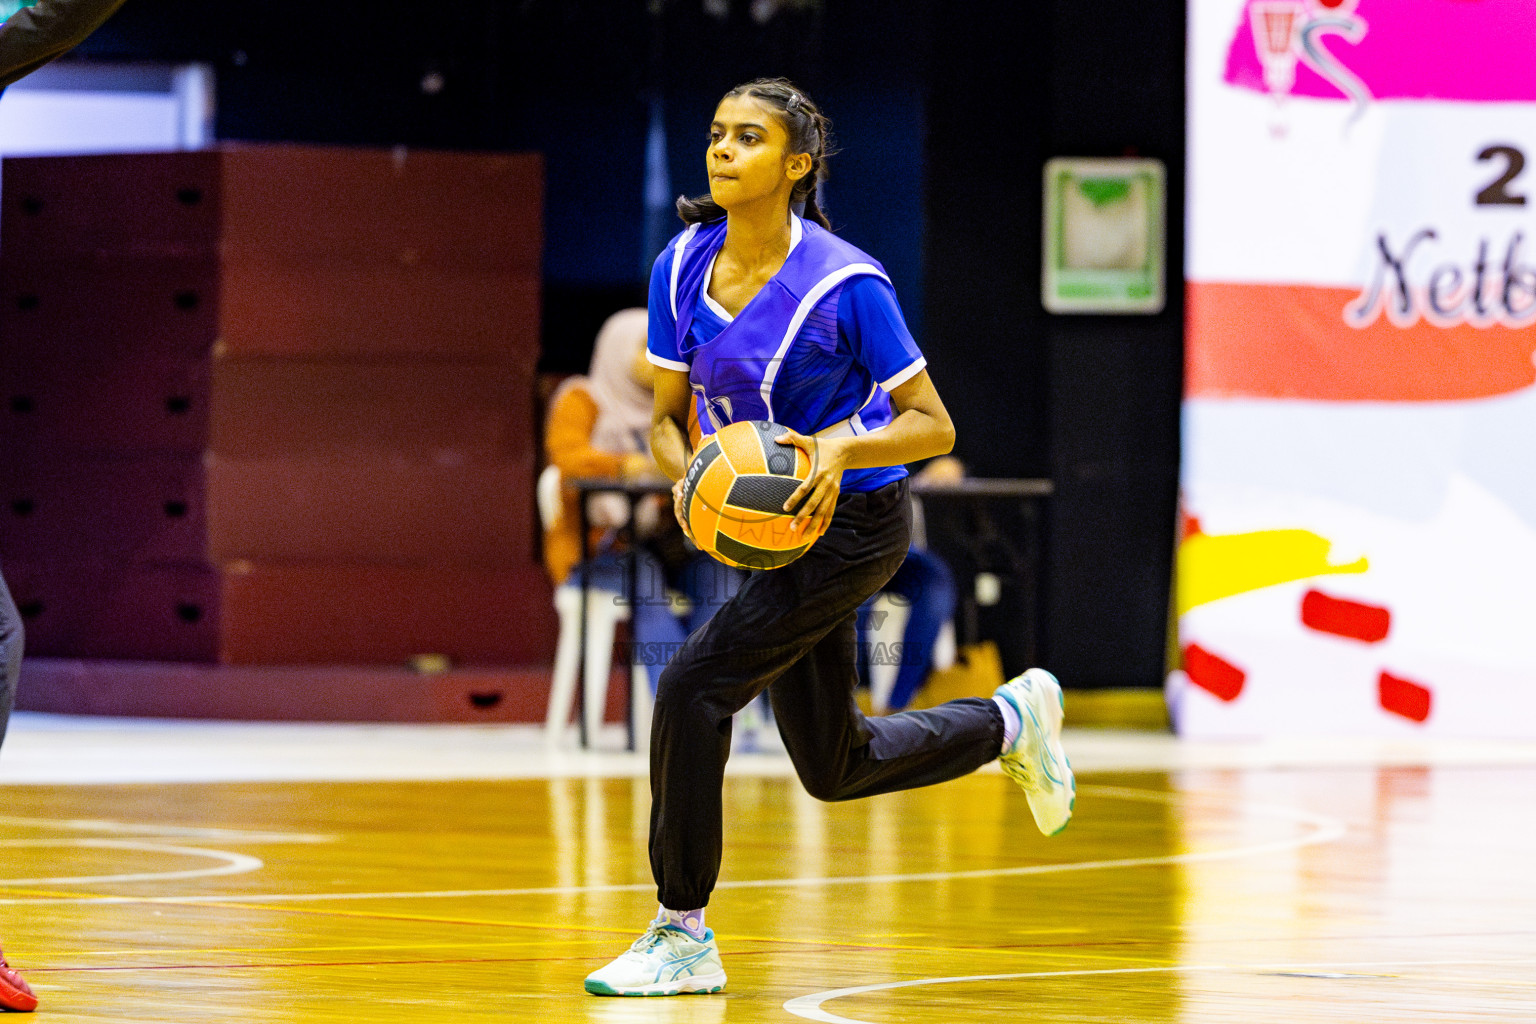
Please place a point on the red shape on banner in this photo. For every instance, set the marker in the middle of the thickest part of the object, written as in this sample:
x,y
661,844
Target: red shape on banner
x,y
1291,341
1404,697
1209,672
1367,622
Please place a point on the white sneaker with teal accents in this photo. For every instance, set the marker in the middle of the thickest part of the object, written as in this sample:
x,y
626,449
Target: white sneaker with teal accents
x,y
665,961
1035,759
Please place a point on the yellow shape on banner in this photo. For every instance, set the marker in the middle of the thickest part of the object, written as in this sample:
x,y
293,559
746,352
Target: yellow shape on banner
x,y
1213,567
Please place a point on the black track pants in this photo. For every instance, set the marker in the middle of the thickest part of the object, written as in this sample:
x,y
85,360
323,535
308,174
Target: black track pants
x,y
791,631
10,654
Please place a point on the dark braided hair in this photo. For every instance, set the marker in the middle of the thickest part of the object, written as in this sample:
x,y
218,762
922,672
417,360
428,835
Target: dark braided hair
x,y
809,130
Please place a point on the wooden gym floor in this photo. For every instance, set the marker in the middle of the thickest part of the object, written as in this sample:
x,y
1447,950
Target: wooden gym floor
x,y
211,873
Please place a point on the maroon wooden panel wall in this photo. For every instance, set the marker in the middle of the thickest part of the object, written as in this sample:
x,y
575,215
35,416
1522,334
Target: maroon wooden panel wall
x,y
272,405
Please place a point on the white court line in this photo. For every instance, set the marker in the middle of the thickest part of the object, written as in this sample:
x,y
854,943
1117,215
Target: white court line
x,y
1323,830
809,1006
164,831
232,863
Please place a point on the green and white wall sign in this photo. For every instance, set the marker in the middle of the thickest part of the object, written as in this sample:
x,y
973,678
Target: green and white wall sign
x,y
1103,238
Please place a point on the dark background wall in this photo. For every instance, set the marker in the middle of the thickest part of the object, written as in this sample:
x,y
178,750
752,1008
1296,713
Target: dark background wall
x,y
946,115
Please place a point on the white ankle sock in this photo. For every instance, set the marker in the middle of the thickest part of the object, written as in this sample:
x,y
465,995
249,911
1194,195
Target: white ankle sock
x,y
1011,721
690,921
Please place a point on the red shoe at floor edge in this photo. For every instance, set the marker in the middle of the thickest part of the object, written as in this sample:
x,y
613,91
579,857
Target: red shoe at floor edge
x,y
15,993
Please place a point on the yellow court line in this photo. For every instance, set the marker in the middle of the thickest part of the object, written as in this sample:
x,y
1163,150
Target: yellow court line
x,y
275,957
1047,952
735,938
20,893
379,916
468,944
213,900
189,951
604,932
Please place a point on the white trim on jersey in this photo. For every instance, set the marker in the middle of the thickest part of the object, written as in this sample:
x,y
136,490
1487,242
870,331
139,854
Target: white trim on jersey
x,y
853,426
842,428
664,363
856,421
677,263
896,380
866,432
709,300
812,298
796,231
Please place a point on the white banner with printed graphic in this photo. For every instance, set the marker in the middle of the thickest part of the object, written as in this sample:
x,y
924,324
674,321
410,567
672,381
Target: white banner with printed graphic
x,y
1359,489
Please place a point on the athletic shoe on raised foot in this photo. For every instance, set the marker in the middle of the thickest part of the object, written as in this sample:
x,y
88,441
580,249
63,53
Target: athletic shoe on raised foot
x,y
15,993
665,961
1035,759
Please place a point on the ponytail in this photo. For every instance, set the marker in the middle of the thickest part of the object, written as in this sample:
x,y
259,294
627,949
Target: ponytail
x,y
699,210
812,210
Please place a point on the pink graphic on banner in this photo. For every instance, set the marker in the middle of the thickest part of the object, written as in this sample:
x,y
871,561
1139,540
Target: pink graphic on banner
x,y
1467,50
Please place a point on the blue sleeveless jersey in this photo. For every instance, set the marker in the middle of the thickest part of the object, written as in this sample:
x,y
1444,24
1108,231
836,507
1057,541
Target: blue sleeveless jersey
x,y
816,350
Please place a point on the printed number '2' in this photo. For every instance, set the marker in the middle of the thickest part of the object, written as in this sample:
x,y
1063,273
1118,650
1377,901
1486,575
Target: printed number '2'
x,y
1496,192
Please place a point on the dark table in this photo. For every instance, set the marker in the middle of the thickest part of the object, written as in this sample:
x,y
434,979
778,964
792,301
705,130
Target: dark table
x,y
1030,493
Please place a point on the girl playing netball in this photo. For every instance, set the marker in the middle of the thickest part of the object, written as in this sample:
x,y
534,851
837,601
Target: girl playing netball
x,y
758,311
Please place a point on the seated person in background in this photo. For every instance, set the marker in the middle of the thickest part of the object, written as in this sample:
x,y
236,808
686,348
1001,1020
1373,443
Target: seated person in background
x,y
927,585
599,426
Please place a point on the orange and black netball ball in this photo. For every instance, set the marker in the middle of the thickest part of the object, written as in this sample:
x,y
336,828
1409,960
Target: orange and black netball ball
x,y
734,495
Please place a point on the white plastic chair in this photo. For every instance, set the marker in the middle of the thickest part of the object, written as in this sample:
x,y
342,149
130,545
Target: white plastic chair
x,y
891,616
887,620
605,610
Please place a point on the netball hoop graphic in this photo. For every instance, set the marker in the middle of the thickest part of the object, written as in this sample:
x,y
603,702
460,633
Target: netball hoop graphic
x,y
1276,28
1288,31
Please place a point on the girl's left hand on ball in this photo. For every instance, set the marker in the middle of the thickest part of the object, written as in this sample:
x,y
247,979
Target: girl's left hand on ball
x,y
819,490
677,507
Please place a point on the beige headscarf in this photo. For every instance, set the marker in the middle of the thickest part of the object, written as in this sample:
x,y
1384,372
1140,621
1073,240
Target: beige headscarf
x,y
623,405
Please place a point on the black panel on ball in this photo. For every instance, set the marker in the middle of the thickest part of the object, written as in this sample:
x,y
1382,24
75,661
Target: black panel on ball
x,y
780,459
758,493
756,558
